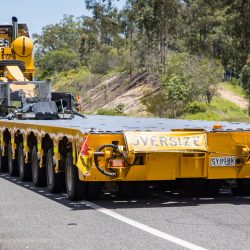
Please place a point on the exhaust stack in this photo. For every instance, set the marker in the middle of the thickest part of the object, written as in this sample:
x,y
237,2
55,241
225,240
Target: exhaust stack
x,y
15,28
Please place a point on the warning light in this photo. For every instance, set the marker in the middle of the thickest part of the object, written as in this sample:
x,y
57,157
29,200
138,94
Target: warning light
x,y
217,126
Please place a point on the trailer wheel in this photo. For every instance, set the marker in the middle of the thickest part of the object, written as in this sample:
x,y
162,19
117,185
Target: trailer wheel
x,y
55,182
93,190
24,169
1,159
243,187
38,174
3,162
74,187
12,164
127,189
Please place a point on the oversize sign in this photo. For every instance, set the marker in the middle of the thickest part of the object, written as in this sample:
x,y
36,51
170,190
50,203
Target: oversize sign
x,y
166,141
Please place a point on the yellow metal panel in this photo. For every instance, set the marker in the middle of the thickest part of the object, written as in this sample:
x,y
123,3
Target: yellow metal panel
x,y
14,73
193,166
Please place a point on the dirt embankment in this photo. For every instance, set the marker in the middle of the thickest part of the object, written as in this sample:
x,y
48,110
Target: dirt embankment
x,y
122,89
233,97
129,90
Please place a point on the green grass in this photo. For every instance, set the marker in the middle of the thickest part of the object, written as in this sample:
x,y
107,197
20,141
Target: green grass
x,y
73,81
112,112
238,90
220,110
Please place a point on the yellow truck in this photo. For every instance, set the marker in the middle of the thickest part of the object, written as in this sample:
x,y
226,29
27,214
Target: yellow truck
x,y
45,139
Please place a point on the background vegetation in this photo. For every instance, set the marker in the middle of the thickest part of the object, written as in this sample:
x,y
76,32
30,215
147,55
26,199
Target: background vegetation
x,y
191,44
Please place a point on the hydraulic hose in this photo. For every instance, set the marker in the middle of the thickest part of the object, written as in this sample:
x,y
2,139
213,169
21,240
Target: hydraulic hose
x,y
103,171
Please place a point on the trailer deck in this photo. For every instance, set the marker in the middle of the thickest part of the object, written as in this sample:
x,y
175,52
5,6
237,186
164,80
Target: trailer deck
x,y
113,124
128,151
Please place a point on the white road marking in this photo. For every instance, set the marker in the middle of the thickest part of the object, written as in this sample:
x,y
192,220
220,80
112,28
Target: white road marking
x,y
138,225
143,227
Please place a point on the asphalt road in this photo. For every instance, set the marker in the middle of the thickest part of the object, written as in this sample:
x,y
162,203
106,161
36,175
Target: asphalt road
x,y
32,218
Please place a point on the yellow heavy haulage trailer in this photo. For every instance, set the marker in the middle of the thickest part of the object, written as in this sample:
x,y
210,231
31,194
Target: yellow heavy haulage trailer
x,y
82,154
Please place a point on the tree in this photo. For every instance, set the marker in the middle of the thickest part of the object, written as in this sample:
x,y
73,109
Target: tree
x,y
58,61
64,35
105,16
176,93
245,81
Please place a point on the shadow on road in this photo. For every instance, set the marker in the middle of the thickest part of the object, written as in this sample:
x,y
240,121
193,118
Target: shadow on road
x,y
157,198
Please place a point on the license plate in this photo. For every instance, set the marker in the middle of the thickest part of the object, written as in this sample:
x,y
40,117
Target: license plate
x,y
226,161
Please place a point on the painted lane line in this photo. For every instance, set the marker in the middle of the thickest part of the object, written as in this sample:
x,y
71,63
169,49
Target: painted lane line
x,y
143,227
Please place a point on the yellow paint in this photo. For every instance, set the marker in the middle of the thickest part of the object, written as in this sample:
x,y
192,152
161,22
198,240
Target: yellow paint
x,y
23,46
28,89
20,49
191,158
14,73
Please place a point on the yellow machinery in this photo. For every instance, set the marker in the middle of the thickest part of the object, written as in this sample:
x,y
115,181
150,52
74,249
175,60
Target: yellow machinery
x,y
82,154
16,57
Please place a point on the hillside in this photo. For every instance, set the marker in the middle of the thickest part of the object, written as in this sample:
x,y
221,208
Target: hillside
x,y
191,45
122,90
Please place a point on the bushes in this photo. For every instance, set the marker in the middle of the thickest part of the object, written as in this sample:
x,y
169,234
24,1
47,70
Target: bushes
x,y
58,61
118,110
76,81
220,110
196,107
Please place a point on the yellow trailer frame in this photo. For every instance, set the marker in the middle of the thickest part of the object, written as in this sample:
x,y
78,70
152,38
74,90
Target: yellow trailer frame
x,y
215,154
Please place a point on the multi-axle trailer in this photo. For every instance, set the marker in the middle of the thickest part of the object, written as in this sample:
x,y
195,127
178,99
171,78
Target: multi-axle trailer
x,y
45,140
84,154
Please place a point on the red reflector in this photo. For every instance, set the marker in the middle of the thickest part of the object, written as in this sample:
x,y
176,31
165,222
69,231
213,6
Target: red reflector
x,y
117,163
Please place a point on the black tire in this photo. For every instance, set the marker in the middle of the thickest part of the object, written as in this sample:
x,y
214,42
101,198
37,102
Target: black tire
x,y
38,174
127,189
20,64
24,168
3,163
1,167
243,187
12,164
212,188
74,187
93,190
55,182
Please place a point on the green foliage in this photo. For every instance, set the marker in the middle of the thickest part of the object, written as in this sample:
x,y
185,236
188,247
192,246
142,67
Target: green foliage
x,y
155,103
189,81
199,74
196,107
61,36
220,110
235,88
58,61
217,28
78,81
104,60
96,63
184,41
176,94
118,110
245,78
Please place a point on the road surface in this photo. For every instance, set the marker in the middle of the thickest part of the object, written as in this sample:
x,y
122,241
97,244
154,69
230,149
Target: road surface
x,y
33,218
